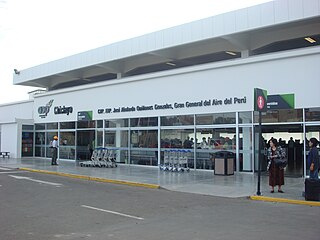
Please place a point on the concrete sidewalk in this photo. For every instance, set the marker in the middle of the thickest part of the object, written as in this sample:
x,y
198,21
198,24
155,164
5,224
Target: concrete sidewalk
x,y
199,182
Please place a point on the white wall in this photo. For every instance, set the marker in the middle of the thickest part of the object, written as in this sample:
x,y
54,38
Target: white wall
x,y
10,139
294,71
12,116
19,110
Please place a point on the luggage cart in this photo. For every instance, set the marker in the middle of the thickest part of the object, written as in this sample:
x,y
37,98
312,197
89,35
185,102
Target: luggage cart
x,y
183,160
166,160
95,160
110,159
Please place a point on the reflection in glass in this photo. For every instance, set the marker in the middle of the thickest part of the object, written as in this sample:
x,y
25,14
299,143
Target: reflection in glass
x,y
40,126
67,138
67,152
210,142
144,122
40,151
27,127
177,120
245,149
283,115
86,124
144,139
99,142
144,156
116,123
99,123
67,125
245,117
116,138
27,144
312,114
52,125
177,138
216,118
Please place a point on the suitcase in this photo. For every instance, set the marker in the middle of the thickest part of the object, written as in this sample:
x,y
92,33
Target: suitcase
x,y
312,189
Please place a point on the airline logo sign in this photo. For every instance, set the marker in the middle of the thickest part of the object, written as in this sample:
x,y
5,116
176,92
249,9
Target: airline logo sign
x,y
44,110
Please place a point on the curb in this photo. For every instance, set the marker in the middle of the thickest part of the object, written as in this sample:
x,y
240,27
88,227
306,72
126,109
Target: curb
x,y
96,179
284,200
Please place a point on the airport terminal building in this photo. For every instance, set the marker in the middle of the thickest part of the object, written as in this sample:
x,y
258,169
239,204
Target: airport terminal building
x,y
188,87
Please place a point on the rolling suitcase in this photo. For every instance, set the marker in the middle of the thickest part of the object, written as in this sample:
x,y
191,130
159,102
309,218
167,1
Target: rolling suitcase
x,y
312,189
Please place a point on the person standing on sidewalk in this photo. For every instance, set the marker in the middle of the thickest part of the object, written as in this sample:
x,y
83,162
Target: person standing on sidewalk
x,y
54,151
313,158
276,174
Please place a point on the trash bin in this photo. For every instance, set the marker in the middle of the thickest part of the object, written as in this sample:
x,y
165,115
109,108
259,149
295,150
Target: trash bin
x,y
224,163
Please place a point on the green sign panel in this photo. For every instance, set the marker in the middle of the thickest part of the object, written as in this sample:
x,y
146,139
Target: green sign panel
x,y
281,101
85,116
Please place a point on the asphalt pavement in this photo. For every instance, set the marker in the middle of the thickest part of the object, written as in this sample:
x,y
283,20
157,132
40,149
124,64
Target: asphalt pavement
x,y
46,206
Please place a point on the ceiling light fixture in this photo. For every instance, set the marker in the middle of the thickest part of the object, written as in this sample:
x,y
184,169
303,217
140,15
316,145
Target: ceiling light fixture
x,y
171,64
231,53
310,40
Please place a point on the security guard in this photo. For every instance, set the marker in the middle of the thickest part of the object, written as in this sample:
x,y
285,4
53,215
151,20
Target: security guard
x,y
54,150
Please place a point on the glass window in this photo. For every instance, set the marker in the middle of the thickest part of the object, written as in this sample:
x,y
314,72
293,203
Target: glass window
x,y
144,157
99,123
177,138
144,139
312,114
40,138
86,124
40,126
67,152
27,144
211,143
283,115
245,149
52,125
67,138
116,138
99,139
67,125
144,122
177,120
245,117
40,151
116,123
27,127
216,118
67,145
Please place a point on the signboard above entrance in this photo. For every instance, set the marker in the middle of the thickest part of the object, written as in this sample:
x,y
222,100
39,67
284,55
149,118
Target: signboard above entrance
x,y
280,101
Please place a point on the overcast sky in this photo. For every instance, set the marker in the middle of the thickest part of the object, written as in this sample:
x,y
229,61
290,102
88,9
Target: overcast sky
x,y
33,32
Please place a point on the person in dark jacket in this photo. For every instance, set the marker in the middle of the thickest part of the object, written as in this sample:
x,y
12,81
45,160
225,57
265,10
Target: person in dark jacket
x,y
313,158
276,174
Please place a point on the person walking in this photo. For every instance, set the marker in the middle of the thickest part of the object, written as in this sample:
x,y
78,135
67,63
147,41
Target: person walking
x,y
313,158
276,174
54,147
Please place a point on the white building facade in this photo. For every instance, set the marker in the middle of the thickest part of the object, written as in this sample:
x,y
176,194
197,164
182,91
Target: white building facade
x,y
172,89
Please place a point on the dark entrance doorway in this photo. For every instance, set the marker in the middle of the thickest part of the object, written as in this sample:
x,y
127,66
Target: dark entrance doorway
x,y
85,140
290,138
